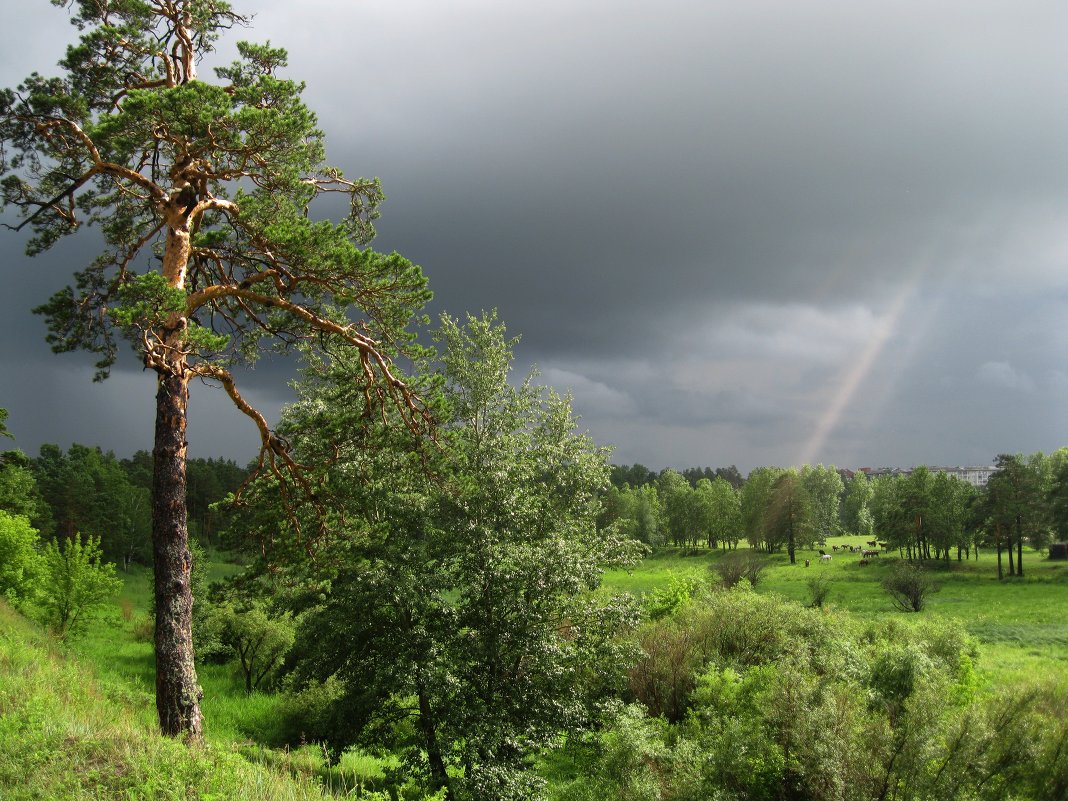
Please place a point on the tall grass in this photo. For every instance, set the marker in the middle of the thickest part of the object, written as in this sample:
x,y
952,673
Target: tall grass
x,y
66,735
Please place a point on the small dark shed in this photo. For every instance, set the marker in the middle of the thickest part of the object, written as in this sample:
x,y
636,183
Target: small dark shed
x,y
1058,550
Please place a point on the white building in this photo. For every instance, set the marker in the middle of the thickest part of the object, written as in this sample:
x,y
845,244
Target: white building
x,y
976,476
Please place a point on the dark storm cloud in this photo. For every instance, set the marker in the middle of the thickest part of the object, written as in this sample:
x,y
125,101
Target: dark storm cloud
x,y
741,232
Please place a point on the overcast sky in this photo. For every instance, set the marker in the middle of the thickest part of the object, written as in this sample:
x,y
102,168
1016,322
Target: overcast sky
x,y
761,232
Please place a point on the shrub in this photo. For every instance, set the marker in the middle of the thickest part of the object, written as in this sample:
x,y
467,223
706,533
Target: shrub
x,y
19,562
74,584
819,587
909,586
734,566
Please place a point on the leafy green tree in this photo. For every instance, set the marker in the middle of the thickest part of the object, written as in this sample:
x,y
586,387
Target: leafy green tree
x,y
721,512
888,518
646,524
202,193
259,639
1017,504
918,510
632,475
755,501
75,582
950,514
824,488
1057,493
88,491
856,509
465,603
19,561
790,518
19,494
679,517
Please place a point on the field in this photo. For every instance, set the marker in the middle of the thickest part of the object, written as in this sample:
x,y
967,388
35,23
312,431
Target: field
x,y
101,715
1019,622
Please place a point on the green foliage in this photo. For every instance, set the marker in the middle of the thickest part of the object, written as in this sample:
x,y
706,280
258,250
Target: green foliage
x,y
259,638
623,762
668,599
856,506
74,583
67,734
775,701
790,519
824,488
461,623
819,587
734,566
909,586
19,494
88,491
19,561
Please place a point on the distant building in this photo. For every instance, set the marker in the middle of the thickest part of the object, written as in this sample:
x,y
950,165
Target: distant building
x,y
977,476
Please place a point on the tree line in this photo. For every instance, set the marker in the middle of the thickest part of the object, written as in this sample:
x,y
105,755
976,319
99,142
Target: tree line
x,y
924,514
88,491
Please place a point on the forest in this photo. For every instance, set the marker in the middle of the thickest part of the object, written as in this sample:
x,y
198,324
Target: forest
x,y
430,582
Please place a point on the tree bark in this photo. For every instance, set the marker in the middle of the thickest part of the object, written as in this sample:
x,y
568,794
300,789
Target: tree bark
x,y
1019,548
178,694
438,772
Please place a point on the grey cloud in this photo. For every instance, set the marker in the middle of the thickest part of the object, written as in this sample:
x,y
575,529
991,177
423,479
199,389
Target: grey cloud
x,y
721,223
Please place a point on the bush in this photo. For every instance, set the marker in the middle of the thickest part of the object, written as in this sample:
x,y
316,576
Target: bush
x,y
819,587
19,562
734,566
74,584
909,586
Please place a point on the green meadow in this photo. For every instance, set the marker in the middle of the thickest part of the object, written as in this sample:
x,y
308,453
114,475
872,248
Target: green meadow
x,y
97,694
1020,622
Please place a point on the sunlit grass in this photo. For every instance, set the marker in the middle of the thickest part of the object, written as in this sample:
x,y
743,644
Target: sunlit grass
x,y
66,735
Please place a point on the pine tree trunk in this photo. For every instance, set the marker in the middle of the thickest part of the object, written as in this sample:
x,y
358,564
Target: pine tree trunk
x,y
177,692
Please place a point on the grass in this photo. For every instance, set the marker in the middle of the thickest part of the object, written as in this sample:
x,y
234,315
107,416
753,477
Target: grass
x,y
1019,622
65,734
85,727
124,664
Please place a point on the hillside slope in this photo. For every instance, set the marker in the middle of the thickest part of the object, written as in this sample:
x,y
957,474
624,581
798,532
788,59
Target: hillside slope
x,y
66,735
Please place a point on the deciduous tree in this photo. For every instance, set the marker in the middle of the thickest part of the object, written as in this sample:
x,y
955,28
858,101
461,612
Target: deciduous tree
x,y
464,603
202,194
791,519
75,581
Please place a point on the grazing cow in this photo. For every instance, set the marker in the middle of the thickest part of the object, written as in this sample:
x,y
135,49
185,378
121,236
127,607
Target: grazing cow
x,y
823,552
868,553
862,562
825,557
806,563
883,545
873,543
835,547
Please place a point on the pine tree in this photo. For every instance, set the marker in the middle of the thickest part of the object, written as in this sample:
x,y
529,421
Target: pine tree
x,y
202,194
